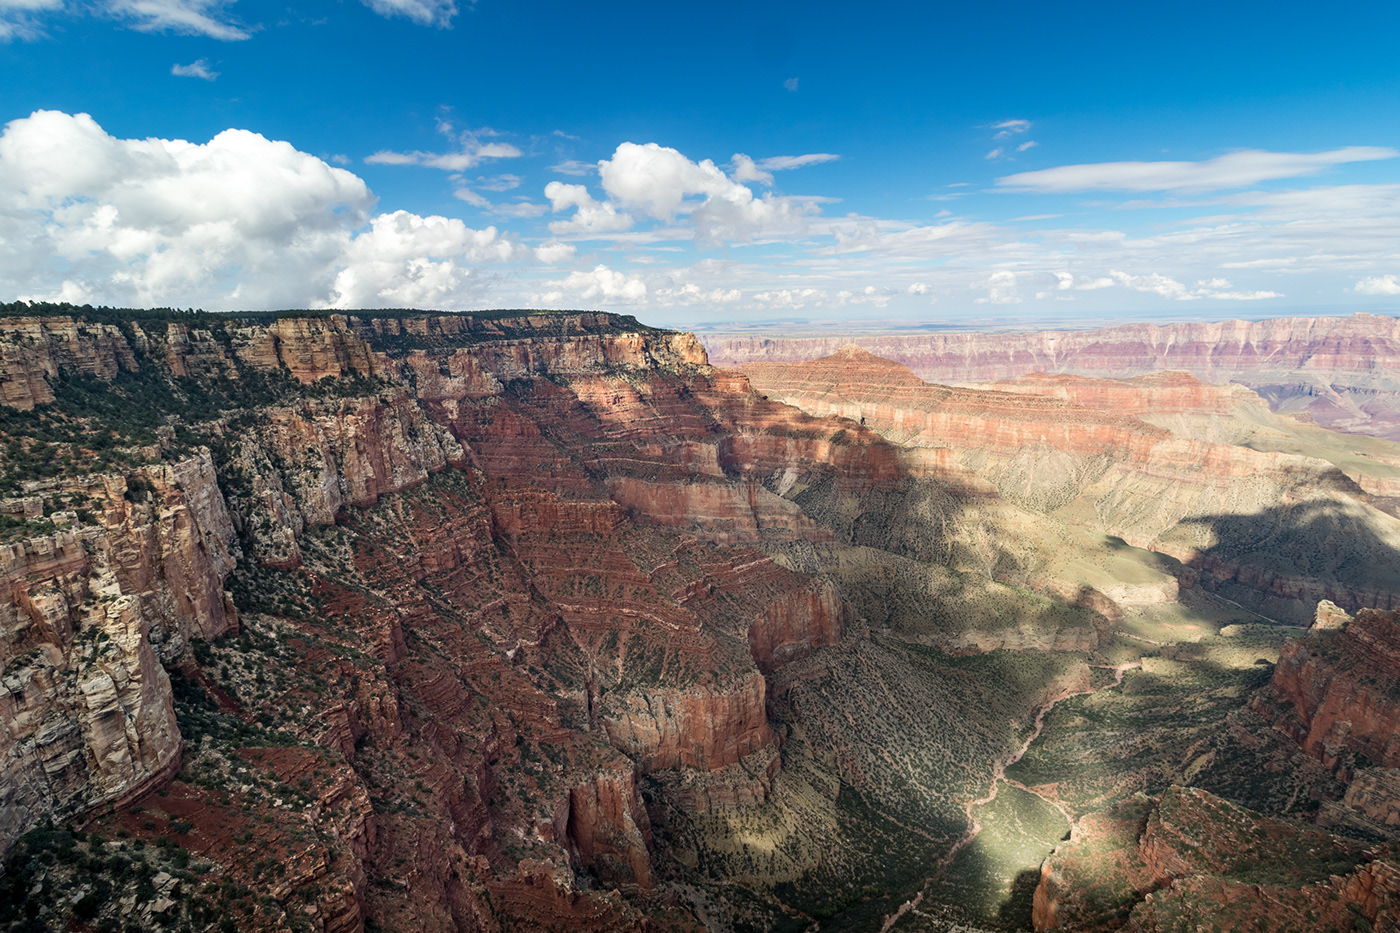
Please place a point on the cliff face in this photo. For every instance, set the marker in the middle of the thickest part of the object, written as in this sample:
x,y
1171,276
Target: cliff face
x,y
1336,691
1340,370
494,546
543,621
1128,458
35,349
1188,858
1171,392
87,615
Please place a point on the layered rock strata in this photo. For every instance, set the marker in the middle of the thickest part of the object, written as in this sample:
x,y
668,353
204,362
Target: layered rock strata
x,y
1073,448
1189,858
1340,370
87,616
1336,691
475,550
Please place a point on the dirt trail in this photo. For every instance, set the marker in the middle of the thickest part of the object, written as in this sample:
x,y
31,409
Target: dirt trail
x,y
998,777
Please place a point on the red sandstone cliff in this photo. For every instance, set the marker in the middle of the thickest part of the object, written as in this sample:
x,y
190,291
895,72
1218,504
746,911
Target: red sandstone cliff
x,y
1336,691
543,585
87,615
1187,859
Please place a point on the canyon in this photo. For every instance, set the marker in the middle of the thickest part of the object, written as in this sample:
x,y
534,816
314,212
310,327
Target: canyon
x,y
526,620
1338,371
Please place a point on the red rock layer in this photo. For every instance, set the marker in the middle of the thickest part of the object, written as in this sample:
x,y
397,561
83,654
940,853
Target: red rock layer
x,y
1162,393
1189,860
1337,691
86,618
886,396
1333,348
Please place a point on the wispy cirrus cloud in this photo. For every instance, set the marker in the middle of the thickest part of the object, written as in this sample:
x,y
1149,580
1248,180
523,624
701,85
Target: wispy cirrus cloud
x,y
188,17
471,149
574,167
1008,128
746,169
437,13
19,19
1233,170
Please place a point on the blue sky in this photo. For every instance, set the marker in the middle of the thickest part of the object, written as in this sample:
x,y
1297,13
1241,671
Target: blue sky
x,y
706,164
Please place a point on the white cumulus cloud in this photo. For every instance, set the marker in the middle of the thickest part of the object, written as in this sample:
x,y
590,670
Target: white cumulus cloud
x,y
747,170
691,294
405,260
660,182
599,283
590,215
791,298
1378,285
656,179
1001,289
555,252
241,221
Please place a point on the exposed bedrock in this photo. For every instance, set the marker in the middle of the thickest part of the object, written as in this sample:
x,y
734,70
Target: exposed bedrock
x,y
1359,343
607,828
702,727
1338,370
87,615
1334,691
1272,529
1187,859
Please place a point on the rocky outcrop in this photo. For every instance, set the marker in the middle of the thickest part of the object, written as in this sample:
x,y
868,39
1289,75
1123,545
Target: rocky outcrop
x,y
1370,807
34,349
87,616
1337,692
303,465
726,513
703,727
1216,352
85,703
1188,857
607,828
1171,392
889,398
796,624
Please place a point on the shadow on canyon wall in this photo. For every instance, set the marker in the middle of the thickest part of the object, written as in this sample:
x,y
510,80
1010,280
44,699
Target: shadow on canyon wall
x,y
1281,561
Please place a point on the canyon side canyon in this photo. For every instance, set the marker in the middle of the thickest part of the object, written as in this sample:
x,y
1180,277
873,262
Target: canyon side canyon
x,y
1339,371
512,621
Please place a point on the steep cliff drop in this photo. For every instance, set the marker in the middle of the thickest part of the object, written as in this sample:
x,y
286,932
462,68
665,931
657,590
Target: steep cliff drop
x,y
538,621
463,622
